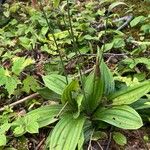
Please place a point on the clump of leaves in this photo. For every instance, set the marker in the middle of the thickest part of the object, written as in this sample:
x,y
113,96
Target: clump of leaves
x,y
95,102
81,108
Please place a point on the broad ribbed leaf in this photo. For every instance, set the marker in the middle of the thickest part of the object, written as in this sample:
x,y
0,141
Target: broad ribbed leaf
x,y
48,94
123,117
107,77
81,142
67,133
130,94
68,91
141,104
55,82
47,114
3,139
88,130
93,89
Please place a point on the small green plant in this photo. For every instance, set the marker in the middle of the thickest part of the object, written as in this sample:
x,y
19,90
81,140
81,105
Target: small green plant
x,y
83,105
95,102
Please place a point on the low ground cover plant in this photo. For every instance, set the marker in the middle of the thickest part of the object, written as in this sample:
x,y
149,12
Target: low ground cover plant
x,y
84,106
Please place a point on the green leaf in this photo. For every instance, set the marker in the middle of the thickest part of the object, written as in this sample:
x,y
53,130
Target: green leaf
x,y
145,28
44,30
67,133
19,63
130,94
30,83
99,135
119,138
11,84
32,127
31,123
55,82
107,77
137,20
68,91
56,3
46,93
5,127
123,117
141,104
2,140
6,13
88,130
115,4
25,42
107,46
81,142
79,100
133,62
118,42
47,114
14,8
18,131
93,89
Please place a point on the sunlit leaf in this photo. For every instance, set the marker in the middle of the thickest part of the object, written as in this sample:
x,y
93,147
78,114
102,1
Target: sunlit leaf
x,y
67,133
123,117
130,94
19,130
93,89
19,63
4,127
56,3
55,82
137,20
119,138
2,140
68,91
47,114
107,77
30,83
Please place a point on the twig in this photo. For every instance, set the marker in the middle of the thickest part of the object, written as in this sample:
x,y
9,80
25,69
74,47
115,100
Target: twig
x,y
39,145
128,19
109,141
99,145
84,72
113,54
55,40
90,142
75,46
62,110
20,101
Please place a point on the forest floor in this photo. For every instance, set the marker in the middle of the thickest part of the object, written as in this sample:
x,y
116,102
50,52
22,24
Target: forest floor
x,y
127,53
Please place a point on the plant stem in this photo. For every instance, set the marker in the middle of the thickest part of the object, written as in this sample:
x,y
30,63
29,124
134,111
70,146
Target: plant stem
x,y
71,28
20,101
105,31
62,110
75,46
55,41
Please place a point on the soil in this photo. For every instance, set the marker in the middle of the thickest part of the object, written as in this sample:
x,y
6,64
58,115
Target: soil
x,y
135,140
